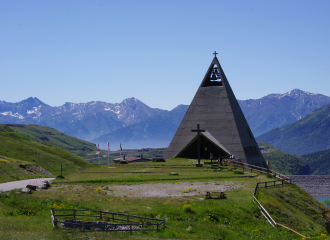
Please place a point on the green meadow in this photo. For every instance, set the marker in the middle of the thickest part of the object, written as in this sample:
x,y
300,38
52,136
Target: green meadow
x,y
21,149
187,213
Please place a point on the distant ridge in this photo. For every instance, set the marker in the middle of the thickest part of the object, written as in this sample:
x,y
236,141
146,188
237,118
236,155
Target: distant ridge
x,y
83,120
277,110
309,134
95,120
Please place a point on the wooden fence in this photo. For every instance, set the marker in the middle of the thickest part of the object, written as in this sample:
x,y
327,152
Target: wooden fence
x,y
127,222
283,180
258,169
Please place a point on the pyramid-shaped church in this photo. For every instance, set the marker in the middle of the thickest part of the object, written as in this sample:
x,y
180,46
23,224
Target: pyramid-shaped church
x,y
216,110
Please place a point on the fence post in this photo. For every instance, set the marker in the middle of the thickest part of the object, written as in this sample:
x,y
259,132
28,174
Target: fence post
x,y
265,184
131,228
127,218
74,213
157,227
113,217
100,214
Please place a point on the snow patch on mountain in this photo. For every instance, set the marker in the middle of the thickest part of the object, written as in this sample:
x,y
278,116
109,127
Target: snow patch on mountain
x,y
34,110
17,115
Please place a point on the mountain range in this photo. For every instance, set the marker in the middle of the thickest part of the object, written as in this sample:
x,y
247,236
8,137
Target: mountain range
x,y
309,134
136,125
277,110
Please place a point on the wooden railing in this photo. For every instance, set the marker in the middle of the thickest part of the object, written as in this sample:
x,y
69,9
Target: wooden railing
x,y
264,211
284,180
258,169
128,222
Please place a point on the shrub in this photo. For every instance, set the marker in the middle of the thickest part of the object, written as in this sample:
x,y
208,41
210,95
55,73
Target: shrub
x,y
269,175
60,177
188,208
327,202
25,211
158,160
189,229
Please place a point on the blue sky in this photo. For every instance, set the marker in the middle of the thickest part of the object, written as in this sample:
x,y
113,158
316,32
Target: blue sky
x,y
159,51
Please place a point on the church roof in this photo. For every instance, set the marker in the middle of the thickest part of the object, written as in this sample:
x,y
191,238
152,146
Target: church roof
x,y
216,109
209,137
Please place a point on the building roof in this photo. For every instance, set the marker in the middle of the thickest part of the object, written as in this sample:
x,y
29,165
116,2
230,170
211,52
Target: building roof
x,y
216,110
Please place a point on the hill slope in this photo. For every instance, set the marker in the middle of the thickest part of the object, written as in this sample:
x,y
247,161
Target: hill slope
x,y
26,152
310,134
285,163
50,135
319,162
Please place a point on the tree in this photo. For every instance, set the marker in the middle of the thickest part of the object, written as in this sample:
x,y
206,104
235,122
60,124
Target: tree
x,y
327,202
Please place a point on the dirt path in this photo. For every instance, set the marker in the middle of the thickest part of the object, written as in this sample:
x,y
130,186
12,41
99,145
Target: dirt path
x,y
171,189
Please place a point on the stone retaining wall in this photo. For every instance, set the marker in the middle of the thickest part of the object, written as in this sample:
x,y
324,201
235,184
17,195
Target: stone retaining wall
x,y
315,185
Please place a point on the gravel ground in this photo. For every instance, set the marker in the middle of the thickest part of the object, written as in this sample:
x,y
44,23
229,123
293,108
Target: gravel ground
x,y
171,189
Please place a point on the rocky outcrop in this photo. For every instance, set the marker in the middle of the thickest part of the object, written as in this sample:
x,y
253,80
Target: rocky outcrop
x,y
33,169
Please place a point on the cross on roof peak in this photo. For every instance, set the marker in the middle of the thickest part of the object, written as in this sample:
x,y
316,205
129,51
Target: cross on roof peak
x,y
215,53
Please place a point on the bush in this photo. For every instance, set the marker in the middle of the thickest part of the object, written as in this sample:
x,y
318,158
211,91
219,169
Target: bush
x,y
327,202
238,172
60,177
188,208
269,175
158,160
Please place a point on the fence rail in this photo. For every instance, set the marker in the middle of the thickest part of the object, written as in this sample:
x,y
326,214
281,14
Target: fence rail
x,y
258,169
129,224
283,181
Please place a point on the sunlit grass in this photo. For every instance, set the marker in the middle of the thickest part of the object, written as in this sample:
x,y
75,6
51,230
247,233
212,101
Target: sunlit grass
x,y
187,217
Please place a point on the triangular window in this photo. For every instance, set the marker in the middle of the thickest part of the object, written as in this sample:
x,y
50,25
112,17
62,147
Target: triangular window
x,y
213,78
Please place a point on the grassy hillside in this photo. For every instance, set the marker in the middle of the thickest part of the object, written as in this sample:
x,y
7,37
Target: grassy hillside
x,y
285,163
59,139
319,162
10,170
19,150
309,134
187,213
293,207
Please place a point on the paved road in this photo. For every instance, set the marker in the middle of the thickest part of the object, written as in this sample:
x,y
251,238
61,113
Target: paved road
x,y
21,184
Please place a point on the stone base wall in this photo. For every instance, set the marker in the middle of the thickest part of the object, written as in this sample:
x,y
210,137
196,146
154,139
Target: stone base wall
x,y
315,185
